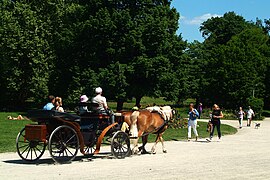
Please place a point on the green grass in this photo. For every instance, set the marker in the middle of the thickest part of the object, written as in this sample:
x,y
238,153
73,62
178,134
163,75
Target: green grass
x,y
9,130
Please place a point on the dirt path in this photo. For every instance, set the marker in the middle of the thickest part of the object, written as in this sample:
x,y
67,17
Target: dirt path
x,y
245,155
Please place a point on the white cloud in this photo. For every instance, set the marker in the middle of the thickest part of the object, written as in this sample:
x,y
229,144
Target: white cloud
x,y
199,19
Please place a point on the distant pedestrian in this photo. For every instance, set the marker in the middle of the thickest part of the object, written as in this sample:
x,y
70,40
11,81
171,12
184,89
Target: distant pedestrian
x,y
250,115
200,109
241,115
192,121
215,120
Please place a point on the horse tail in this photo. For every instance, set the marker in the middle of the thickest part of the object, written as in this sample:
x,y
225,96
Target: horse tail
x,y
133,127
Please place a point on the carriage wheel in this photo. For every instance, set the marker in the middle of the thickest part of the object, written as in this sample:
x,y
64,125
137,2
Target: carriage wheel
x,y
63,144
120,145
29,150
89,150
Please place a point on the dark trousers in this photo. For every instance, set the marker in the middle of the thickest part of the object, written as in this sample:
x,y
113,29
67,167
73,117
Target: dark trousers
x,y
216,123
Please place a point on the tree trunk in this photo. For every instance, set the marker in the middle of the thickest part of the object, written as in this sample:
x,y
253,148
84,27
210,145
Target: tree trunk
x,y
120,104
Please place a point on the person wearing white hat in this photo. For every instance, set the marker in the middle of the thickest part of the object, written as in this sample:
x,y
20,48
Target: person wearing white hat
x,y
83,108
102,102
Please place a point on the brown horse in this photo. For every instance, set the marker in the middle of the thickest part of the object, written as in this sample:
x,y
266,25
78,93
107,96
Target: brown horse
x,y
143,123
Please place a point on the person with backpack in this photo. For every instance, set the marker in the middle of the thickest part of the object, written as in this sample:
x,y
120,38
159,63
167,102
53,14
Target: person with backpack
x,y
193,114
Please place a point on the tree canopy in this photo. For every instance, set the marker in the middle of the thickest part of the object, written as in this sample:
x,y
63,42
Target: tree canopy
x,y
130,49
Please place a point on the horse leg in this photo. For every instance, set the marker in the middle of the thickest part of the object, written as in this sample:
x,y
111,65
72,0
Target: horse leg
x,y
162,142
144,141
134,131
136,150
153,150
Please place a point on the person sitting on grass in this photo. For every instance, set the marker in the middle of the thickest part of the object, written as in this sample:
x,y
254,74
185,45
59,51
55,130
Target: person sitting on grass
x,y
50,105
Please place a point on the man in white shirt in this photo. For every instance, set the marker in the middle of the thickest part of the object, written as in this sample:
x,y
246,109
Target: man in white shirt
x,y
250,114
102,102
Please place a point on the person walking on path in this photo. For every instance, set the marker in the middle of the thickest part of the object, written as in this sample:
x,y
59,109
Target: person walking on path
x,y
215,120
250,114
192,121
241,114
200,109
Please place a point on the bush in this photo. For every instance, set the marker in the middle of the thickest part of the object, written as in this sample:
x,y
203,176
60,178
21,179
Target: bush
x,y
257,105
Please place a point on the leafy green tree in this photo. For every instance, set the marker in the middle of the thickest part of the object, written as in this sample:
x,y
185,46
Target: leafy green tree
x,y
219,30
26,54
230,58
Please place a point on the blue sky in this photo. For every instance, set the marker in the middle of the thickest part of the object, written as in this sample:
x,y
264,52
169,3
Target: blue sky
x,y
194,12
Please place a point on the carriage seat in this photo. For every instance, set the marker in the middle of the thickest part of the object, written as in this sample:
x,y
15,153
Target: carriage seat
x,y
46,115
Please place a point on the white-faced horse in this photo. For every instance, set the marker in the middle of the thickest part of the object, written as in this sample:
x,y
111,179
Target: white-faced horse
x,y
144,122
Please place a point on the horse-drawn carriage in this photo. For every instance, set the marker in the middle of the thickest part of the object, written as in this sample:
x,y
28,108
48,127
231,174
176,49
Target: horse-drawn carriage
x,y
65,134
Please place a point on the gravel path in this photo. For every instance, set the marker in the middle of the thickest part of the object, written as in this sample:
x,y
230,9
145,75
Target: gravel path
x,y
245,155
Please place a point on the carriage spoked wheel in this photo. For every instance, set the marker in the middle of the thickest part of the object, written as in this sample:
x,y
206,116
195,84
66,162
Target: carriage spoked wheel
x,y
63,144
89,150
29,150
120,145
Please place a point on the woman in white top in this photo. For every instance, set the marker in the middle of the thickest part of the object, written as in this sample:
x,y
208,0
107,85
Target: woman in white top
x,y
241,114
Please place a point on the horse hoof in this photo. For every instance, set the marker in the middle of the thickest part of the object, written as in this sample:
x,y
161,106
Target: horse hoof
x,y
154,152
145,152
135,152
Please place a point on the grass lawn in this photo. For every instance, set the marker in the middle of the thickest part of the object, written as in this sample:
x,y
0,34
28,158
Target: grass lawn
x,y
9,130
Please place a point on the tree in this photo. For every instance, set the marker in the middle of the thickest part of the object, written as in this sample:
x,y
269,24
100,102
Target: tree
x,y
219,30
230,60
25,52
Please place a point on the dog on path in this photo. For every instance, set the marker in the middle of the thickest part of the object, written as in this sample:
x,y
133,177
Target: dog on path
x,y
257,125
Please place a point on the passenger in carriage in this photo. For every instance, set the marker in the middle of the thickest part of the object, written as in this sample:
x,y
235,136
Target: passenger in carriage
x,y
83,109
50,105
58,104
102,102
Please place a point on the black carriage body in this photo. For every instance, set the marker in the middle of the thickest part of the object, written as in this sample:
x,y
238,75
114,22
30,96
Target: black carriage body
x,y
66,133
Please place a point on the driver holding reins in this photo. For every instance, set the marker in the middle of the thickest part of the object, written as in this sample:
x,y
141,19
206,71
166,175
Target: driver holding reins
x,y
103,106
